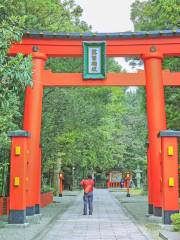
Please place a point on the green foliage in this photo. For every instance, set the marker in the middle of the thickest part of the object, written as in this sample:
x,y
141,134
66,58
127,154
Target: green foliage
x,y
76,123
4,171
46,188
155,14
15,75
93,129
79,126
176,221
161,14
83,128
134,133
46,15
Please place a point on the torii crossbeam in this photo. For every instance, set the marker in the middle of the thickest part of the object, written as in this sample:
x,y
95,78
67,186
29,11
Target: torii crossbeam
x,y
50,79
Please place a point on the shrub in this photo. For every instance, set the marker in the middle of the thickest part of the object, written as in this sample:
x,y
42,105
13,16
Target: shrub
x,y
46,188
176,221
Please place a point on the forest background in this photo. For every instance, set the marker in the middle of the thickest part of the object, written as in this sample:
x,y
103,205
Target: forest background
x,y
83,129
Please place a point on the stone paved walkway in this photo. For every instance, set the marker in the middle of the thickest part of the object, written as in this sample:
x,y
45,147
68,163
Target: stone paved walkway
x,y
109,221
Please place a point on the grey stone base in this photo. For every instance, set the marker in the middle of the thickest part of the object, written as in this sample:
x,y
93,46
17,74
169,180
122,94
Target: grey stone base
x,y
34,219
37,209
17,217
166,227
30,211
154,219
157,211
167,216
57,199
150,209
167,235
15,225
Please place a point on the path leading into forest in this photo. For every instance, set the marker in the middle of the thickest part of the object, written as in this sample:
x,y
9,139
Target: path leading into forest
x,y
109,221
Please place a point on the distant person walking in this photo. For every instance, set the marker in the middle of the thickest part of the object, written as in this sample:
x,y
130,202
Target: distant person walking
x,y
122,183
88,185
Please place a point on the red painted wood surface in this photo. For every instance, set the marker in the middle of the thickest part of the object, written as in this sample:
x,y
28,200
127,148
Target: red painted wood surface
x,y
149,173
18,168
1,206
32,123
46,199
168,46
170,194
156,120
50,79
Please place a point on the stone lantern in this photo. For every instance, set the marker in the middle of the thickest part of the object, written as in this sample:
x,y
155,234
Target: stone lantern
x,y
138,177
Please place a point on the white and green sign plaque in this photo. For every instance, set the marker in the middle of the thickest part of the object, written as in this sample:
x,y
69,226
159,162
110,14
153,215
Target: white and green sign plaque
x,y
94,60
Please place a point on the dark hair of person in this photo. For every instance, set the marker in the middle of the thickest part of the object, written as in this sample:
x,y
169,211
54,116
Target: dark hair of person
x,y
89,176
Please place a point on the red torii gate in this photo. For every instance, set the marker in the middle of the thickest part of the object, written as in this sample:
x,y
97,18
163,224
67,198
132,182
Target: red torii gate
x,y
151,47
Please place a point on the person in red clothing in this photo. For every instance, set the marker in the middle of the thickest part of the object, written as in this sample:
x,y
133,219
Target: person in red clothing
x,y
88,185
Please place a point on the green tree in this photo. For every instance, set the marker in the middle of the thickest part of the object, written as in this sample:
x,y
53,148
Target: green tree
x,y
83,128
161,14
46,15
15,75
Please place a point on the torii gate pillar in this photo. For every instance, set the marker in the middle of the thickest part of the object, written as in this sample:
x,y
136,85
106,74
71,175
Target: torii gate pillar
x,y
170,188
156,123
149,172
18,177
32,124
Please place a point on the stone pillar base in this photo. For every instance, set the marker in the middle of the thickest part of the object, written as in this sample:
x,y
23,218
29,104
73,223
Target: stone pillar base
x,y
37,209
17,217
167,216
157,211
150,209
30,211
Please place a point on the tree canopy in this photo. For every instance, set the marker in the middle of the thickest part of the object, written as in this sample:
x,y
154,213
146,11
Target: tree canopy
x,y
83,129
154,15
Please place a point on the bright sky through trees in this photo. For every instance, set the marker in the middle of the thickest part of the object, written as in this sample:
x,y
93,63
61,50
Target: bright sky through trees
x,y
108,16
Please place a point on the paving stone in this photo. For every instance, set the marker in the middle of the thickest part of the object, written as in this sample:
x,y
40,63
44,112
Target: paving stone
x,y
167,235
109,221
